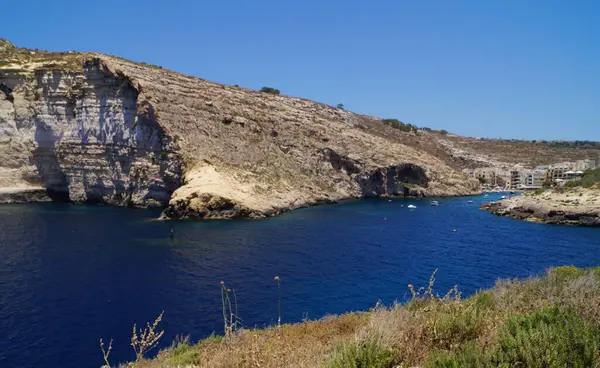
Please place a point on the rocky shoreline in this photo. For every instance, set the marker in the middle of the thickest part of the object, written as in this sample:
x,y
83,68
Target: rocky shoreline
x,y
23,195
577,207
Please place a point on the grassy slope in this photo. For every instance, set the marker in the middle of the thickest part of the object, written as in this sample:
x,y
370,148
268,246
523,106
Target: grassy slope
x,y
512,323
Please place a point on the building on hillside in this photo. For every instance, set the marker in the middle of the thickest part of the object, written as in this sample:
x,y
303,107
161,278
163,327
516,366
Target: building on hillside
x,y
523,178
567,165
515,179
571,175
485,174
583,165
503,177
531,179
557,171
538,178
555,174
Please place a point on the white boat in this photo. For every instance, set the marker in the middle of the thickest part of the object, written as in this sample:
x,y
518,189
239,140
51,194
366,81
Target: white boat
x,y
435,203
485,196
411,206
469,201
503,197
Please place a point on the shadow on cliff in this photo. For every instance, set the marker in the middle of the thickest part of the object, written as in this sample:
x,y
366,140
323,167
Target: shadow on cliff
x,y
395,180
45,157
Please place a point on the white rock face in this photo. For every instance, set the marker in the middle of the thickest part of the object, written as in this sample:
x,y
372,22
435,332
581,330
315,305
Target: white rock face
x,y
79,135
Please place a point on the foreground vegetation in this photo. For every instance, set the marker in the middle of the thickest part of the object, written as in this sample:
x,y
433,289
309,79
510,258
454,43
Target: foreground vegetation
x,y
548,321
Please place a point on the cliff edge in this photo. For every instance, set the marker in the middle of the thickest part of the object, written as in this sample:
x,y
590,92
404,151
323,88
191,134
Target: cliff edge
x,y
91,128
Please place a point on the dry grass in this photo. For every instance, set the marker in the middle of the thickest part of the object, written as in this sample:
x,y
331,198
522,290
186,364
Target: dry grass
x,y
291,345
400,335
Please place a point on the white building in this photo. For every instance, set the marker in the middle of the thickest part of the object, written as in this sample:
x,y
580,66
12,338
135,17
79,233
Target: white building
x,y
532,178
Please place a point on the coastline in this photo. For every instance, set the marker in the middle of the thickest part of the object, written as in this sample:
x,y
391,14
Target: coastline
x,y
580,207
39,195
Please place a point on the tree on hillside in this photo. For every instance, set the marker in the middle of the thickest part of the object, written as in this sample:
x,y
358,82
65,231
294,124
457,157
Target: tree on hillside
x,y
270,90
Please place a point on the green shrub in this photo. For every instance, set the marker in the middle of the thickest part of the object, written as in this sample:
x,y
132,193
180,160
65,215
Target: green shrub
x,y
270,90
397,124
369,354
469,355
444,132
564,273
549,338
340,106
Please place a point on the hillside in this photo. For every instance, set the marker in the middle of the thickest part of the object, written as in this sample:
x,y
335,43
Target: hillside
x,y
481,152
96,128
547,321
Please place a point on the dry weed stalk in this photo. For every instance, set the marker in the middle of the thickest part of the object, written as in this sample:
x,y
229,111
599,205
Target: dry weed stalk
x,y
230,314
147,338
278,281
106,352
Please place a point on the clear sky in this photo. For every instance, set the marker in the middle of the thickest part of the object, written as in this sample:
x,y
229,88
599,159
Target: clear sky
x,y
502,68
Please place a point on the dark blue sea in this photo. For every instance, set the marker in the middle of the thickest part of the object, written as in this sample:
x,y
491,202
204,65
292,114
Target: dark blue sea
x,y
71,274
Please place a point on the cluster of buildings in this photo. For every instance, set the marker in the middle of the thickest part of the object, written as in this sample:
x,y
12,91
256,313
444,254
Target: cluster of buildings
x,y
521,178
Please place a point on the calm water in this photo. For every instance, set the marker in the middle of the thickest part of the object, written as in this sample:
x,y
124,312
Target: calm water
x,y
71,274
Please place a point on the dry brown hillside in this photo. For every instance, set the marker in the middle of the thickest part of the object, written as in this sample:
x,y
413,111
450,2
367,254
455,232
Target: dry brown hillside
x,y
482,152
88,127
96,128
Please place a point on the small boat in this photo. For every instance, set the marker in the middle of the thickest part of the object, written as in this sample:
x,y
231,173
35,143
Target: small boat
x,y
485,196
411,206
469,201
435,203
503,197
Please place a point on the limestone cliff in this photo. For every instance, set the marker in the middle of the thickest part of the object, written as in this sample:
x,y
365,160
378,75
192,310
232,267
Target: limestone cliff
x,y
96,128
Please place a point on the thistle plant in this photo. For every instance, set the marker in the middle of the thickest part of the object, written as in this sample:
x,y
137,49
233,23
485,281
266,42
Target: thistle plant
x,y
421,293
147,339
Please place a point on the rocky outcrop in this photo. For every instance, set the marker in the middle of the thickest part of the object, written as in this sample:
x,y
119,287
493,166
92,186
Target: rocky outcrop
x,y
24,195
574,207
94,128
397,180
85,136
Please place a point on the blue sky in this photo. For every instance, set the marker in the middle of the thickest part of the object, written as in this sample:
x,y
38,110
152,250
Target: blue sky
x,y
510,68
